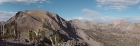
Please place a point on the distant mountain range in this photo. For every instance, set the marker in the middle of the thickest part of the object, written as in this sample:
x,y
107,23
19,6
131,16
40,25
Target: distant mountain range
x,y
26,27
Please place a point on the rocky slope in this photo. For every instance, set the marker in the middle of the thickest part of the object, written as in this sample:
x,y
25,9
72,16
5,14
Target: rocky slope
x,y
117,33
73,32
35,19
38,20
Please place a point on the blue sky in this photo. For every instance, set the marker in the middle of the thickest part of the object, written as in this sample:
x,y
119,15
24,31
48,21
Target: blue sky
x,y
92,10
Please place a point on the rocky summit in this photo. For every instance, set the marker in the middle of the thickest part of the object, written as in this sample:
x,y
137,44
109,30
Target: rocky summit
x,y
44,28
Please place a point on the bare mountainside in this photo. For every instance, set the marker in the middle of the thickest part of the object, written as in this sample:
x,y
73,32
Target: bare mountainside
x,y
117,33
30,25
38,20
44,28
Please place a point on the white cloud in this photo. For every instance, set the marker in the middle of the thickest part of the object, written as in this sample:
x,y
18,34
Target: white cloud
x,y
96,17
48,1
4,15
108,18
132,18
39,6
80,18
116,4
83,18
99,6
24,1
91,13
114,18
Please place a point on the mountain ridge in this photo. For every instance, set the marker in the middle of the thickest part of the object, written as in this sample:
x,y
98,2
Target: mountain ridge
x,y
115,33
